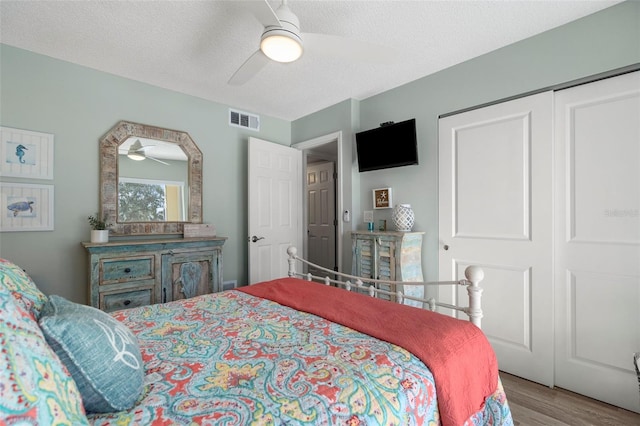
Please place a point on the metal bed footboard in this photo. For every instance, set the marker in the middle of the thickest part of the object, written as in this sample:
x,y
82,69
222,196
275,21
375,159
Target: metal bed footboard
x,y
473,274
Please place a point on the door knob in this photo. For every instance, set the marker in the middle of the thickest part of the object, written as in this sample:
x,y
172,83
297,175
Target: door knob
x,y
256,239
446,247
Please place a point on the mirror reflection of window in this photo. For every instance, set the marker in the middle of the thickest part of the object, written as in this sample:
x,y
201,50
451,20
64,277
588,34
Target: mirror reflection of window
x,y
161,162
146,200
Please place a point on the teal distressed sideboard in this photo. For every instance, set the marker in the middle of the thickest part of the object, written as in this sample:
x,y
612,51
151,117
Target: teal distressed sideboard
x,y
132,273
391,256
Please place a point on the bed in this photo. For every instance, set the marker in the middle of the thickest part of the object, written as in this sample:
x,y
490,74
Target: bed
x,y
289,351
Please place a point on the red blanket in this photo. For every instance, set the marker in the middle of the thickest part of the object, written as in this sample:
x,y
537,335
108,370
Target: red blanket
x,y
458,354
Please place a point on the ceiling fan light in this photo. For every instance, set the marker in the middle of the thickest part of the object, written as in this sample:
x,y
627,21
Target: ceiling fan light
x,y
136,156
281,47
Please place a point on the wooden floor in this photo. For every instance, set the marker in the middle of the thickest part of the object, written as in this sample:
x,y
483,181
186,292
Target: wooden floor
x,y
534,404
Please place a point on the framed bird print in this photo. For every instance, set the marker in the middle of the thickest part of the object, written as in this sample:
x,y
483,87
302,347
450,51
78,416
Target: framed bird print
x,y
382,198
26,207
26,154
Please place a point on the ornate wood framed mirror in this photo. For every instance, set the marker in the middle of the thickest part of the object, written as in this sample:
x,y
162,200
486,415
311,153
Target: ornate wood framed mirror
x,y
155,196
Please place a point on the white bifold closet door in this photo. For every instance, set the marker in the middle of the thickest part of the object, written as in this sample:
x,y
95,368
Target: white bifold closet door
x,y
495,169
544,193
597,219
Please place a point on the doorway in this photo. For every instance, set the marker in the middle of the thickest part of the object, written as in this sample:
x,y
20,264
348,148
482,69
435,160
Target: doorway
x,y
321,215
321,243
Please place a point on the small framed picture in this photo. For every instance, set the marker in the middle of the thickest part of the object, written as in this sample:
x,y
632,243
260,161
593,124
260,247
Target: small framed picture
x,y
26,154
26,207
382,198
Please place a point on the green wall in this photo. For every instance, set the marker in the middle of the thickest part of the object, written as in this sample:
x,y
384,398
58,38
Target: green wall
x,y
79,105
597,43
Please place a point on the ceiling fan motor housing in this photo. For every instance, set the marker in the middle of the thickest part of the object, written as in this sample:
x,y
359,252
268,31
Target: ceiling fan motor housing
x,y
289,28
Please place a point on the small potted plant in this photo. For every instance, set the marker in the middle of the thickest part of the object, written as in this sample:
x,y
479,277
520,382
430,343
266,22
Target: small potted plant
x,y
99,229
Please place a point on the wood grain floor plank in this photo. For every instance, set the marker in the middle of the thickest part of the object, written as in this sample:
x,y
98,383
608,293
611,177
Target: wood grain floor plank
x,y
533,404
524,416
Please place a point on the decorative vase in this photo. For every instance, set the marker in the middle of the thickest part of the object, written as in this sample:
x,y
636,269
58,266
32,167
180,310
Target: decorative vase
x,y
99,235
403,217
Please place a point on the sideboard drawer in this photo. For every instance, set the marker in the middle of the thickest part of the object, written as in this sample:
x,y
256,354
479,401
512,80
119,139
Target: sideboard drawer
x,y
127,269
126,300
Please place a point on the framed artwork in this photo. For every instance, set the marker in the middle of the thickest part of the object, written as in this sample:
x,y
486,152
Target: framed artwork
x,y
382,198
26,207
26,154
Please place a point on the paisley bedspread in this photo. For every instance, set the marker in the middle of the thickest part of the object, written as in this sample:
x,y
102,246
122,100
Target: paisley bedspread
x,y
234,359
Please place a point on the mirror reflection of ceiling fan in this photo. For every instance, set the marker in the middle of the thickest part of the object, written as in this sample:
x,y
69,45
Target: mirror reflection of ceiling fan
x,y
138,152
282,41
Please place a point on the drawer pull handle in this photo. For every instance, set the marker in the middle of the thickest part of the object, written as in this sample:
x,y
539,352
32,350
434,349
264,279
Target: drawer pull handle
x,y
127,270
126,302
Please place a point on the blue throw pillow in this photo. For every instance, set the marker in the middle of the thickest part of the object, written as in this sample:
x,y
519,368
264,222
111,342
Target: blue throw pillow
x,y
101,354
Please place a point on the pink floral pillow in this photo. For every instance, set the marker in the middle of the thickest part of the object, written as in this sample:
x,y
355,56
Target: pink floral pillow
x,y
22,288
35,388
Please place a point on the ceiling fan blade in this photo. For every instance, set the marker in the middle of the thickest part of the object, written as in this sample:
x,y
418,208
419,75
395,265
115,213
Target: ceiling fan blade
x,y
251,67
265,14
159,161
332,45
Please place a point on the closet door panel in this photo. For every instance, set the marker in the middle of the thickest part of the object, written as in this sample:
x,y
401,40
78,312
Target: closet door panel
x,y
495,168
597,239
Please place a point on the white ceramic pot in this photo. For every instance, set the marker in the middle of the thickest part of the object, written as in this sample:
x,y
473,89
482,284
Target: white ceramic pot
x,y
403,217
100,236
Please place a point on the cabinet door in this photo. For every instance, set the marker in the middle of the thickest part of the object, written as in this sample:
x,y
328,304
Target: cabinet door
x,y
374,257
385,265
364,260
386,259
186,275
363,252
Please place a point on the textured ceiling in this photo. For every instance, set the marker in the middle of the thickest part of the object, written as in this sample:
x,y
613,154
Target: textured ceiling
x,y
194,47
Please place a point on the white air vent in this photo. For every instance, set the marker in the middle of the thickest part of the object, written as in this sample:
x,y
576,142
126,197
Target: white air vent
x,y
244,120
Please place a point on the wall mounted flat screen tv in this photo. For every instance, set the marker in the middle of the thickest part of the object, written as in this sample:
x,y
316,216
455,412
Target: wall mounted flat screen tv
x,y
391,145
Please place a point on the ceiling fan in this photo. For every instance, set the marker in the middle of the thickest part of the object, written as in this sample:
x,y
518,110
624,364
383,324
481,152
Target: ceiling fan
x,y
137,152
282,41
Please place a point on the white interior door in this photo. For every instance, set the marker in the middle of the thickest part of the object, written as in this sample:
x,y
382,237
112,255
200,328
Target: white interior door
x,y
495,170
597,272
275,179
321,212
